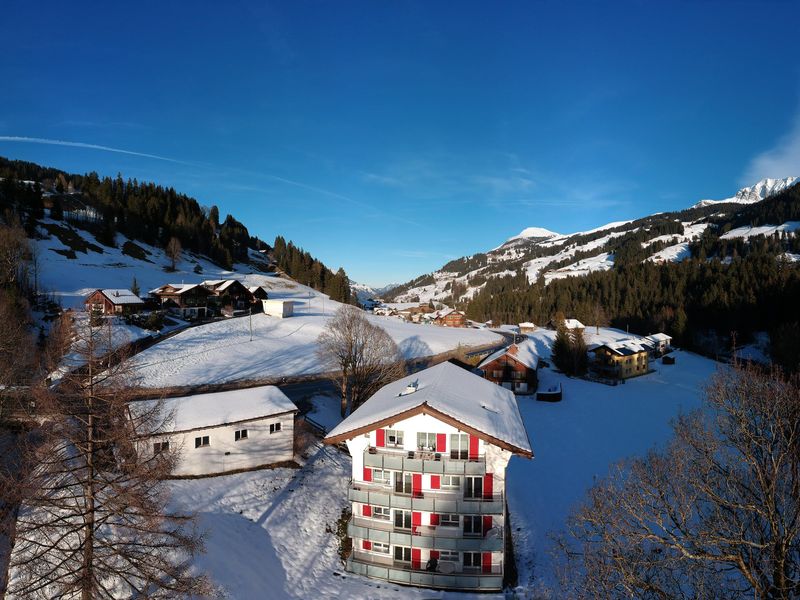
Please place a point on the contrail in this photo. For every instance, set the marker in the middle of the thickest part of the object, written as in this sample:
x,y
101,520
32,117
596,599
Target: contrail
x,y
36,140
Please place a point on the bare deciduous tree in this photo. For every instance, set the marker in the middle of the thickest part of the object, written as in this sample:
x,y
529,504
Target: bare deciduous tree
x,y
364,356
89,495
173,252
715,515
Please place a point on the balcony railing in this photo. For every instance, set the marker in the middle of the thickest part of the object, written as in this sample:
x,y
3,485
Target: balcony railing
x,y
372,565
436,537
423,462
441,502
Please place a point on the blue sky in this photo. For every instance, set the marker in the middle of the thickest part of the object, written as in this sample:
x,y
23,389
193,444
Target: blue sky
x,y
389,137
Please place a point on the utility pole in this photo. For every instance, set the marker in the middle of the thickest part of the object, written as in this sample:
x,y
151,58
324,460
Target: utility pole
x,y
251,323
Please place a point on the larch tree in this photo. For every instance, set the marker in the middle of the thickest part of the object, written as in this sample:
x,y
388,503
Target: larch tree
x,y
362,355
173,251
716,514
90,505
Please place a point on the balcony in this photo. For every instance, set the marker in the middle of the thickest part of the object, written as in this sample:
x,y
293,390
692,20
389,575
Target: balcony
x,y
373,565
423,462
436,537
435,502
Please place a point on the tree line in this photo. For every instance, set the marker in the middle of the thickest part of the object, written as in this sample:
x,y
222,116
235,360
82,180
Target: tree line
x,y
305,269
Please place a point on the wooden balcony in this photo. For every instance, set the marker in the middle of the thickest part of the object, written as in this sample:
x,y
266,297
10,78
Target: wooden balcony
x,y
380,567
440,502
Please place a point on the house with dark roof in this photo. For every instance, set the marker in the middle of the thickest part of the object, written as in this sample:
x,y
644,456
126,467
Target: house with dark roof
x,y
620,360
514,367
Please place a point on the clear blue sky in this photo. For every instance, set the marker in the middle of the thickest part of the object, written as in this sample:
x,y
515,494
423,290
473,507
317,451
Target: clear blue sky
x,y
389,137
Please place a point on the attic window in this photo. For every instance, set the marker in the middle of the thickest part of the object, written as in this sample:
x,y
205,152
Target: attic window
x,y
410,388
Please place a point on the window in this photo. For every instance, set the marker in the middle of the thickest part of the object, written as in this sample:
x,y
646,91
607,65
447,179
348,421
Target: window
x,y
402,553
199,442
159,447
402,483
472,560
448,555
381,512
402,519
497,374
451,481
381,476
459,446
394,437
472,525
274,427
240,434
426,441
448,520
379,547
473,487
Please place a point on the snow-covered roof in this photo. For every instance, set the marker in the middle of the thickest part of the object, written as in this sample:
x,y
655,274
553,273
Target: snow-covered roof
x,y
179,288
119,296
478,406
254,288
524,352
573,324
624,347
659,337
527,324
221,408
219,285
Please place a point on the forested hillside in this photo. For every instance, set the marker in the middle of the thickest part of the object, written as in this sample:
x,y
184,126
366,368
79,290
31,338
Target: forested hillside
x,y
149,213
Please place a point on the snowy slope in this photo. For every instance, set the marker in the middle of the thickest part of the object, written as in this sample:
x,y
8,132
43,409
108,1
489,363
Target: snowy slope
x,y
267,529
539,252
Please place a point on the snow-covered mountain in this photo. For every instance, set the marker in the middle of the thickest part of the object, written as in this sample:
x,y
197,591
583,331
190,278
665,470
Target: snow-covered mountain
x,y
365,292
539,252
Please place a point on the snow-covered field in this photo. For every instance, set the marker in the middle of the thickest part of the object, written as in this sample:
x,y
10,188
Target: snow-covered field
x,y
223,351
267,529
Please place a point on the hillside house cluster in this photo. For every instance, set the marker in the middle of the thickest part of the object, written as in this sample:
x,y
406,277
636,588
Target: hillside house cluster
x,y
210,297
428,482
514,368
225,431
113,302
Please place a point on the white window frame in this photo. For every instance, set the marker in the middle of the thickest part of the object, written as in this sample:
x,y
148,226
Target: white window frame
x,y
380,548
459,445
381,476
471,557
159,447
397,435
275,427
449,520
473,487
424,441
240,434
405,551
470,524
202,441
449,556
383,513
452,482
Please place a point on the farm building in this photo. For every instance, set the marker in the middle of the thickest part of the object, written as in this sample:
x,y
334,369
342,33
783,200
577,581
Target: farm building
x,y
278,308
620,360
113,302
527,327
190,300
514,368
228,293
429,475
660,343
225,431
449,317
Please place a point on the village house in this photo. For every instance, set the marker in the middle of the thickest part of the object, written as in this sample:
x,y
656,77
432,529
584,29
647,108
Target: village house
x,y
659,342
449,317
113,302
514,368
189,300
573,324
527,327
224,431
228,294
429,476
259,292
620,360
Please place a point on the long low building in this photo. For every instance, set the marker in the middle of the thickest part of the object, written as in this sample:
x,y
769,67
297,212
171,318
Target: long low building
x,y
225,431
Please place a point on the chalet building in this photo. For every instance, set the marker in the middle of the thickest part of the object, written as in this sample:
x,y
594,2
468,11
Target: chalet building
x,y
225,431
228,293
258,292
659,342
429,475
527,327
573,324
620,360
190,300
113,302
514,368
449,317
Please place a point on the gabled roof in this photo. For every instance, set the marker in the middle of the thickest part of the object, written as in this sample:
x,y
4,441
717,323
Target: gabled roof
x,y
659,337
221,408
120,296
527,324
180,288
220,285
453,396
623,348
525,354
573,324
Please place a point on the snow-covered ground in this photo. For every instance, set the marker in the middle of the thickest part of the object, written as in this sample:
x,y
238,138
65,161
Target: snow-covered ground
x,y
765,230
222,351
267,529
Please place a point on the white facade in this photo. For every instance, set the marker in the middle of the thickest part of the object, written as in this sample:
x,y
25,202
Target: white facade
x,y
278,308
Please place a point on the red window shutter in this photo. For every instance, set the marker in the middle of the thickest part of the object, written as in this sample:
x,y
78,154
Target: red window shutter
x,y
435,554
441,442
434,519
436,482
367,474
473,447
486,562
416,485
488,486
487,524
416,519
416,558
380,438
366,510
366,544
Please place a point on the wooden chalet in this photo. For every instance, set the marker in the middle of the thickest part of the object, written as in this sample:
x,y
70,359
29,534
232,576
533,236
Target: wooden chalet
x,y
229,293
514,368
620,360
450,318
189,300
113,302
